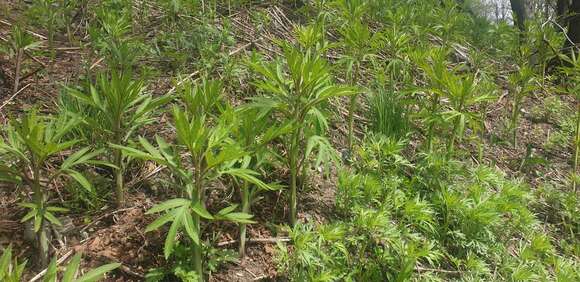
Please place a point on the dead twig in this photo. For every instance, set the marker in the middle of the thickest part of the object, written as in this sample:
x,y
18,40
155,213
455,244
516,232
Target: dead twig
x,y
255,240
423,269
129,271
13,95
29,31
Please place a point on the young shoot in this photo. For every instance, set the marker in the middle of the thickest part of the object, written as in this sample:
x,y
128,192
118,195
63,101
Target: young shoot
x,y
120,107
19,43
25,153
521,83
295,88
203,153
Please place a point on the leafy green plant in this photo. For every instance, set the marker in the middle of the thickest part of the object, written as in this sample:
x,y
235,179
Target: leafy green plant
x,y
26,151
356,39
572,71
522,83
463,93
111,36
10,269
19,43
404,226
204,152
254,133
295,89
120,108
71,269
433,62
388,113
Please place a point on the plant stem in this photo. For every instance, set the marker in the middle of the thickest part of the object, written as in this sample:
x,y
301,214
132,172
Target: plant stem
x,y
293,176
197,249
119,191
243,226
198,196
430,132
352,108
41,238
577,149
514,121
19,53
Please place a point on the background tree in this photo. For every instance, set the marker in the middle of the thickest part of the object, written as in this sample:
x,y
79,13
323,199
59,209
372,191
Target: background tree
x,y
520,13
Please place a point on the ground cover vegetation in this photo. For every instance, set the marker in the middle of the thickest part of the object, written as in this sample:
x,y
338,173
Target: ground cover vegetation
x,y
324,140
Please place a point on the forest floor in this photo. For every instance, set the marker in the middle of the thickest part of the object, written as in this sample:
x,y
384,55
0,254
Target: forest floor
x,y
110,234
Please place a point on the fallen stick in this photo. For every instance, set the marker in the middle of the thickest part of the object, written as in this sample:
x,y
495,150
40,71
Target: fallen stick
x,y
13,95
181,82
129,271
59,261
420,269
96,63
255,240
29,31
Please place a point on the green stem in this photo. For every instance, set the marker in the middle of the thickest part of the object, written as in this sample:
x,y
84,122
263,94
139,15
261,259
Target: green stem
x,y
514,122
351,110
243,226
482,135
119,190
430,131
41,238
577,149
199,196
197,249
293,177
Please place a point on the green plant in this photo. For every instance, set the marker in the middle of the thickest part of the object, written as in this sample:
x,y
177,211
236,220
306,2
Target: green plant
x,y
19,43
72,268
434,64
204,152
388,113
48,10
463,93
120,108
10,269
295,89
572,71
254,133
111,36
28,148
356,39
522,83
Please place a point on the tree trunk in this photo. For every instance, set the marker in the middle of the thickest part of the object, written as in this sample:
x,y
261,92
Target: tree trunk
x,y
561,11
520,14
573,24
